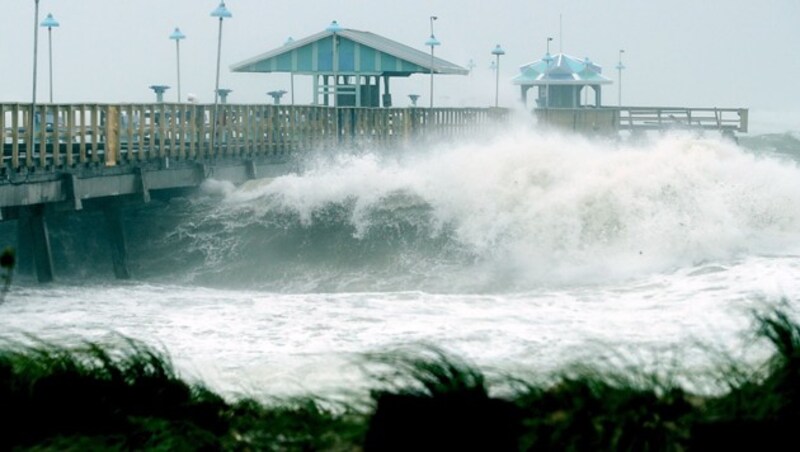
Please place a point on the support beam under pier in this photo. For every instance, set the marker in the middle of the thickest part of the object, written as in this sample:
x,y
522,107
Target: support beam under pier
x,y
34,220
119,248
25,254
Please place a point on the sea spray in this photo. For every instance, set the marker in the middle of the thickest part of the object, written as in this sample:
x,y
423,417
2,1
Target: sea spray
x,y
523,211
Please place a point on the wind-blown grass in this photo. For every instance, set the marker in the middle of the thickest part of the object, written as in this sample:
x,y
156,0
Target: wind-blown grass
x,y
128,396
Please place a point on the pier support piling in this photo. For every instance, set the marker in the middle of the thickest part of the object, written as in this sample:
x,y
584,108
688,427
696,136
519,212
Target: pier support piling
x,y
38,241
119,249
24,264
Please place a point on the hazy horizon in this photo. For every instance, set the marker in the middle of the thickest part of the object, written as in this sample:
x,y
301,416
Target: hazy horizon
x,y
723,53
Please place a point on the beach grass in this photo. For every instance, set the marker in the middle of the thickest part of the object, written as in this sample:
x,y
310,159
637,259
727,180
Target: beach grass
x,y
127,396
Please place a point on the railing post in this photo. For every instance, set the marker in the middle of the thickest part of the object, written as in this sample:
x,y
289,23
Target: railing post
x,y
70,138
15,136
112,135
3,133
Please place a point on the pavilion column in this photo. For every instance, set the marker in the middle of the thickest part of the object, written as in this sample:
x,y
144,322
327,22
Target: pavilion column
x,y
358,90
316,90
326,84
387,95
597,98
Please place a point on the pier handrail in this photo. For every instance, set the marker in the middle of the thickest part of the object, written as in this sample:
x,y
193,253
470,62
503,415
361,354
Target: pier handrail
x,y
64,135
659,118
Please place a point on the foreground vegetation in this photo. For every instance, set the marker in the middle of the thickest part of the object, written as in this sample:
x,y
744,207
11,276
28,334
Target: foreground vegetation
x,y
127,396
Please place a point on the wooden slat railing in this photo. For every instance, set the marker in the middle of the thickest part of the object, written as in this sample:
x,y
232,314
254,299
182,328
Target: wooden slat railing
x,y
658,118
110,135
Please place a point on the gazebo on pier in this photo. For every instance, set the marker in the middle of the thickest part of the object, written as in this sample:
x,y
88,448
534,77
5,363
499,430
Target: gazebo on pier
x,y
561,80
364,59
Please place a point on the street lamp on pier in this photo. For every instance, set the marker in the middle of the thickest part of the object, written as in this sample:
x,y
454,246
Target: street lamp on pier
x,y
177,36
497,51
49,22
620,67
220,12
432,42
547,59
35,59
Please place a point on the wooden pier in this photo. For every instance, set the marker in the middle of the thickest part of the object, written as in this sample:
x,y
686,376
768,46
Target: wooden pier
x,y
99,156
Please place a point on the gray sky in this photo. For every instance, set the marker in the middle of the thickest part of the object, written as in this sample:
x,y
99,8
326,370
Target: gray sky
x,y
677,52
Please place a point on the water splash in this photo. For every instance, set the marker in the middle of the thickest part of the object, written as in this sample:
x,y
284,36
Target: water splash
x,y
521,211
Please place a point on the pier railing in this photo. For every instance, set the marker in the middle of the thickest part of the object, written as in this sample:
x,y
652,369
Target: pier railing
x,y
610,120
65,135
659,118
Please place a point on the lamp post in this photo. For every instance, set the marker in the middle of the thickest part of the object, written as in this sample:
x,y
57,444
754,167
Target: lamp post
x,y
35,59
335,28
547,59
159,90
497,51
620,67
49,22
221,12
276,96
177,36
432,42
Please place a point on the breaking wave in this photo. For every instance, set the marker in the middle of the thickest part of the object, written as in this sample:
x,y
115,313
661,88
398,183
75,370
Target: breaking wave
x,y
521,212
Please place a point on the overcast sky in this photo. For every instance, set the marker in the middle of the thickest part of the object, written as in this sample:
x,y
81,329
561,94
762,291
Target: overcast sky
x,y
677,52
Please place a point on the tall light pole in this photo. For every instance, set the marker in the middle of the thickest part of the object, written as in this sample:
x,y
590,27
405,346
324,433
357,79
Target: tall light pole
x,y
177,36
335,28
35,59
49,22
620,67
497,51
221,12
432,42
547,59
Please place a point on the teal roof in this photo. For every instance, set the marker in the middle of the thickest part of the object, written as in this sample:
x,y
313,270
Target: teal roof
x,y
360,52
562,69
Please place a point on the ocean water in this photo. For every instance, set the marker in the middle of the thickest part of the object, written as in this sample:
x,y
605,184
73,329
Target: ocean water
x,y
524,253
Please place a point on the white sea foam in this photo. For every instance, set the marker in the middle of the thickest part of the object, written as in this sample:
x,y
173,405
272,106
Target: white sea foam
x,y
548,207
716,228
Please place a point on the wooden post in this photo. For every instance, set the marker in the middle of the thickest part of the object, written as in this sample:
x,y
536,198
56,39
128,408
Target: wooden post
x,y
162,130
173,131
70,138
94,112
112,135
183,131
15,137
82,119
42,136
3,132
55,137
193,131
129,112
140,140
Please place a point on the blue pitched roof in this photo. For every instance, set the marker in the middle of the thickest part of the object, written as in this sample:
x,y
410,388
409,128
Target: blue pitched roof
x,y
359,52
562,69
